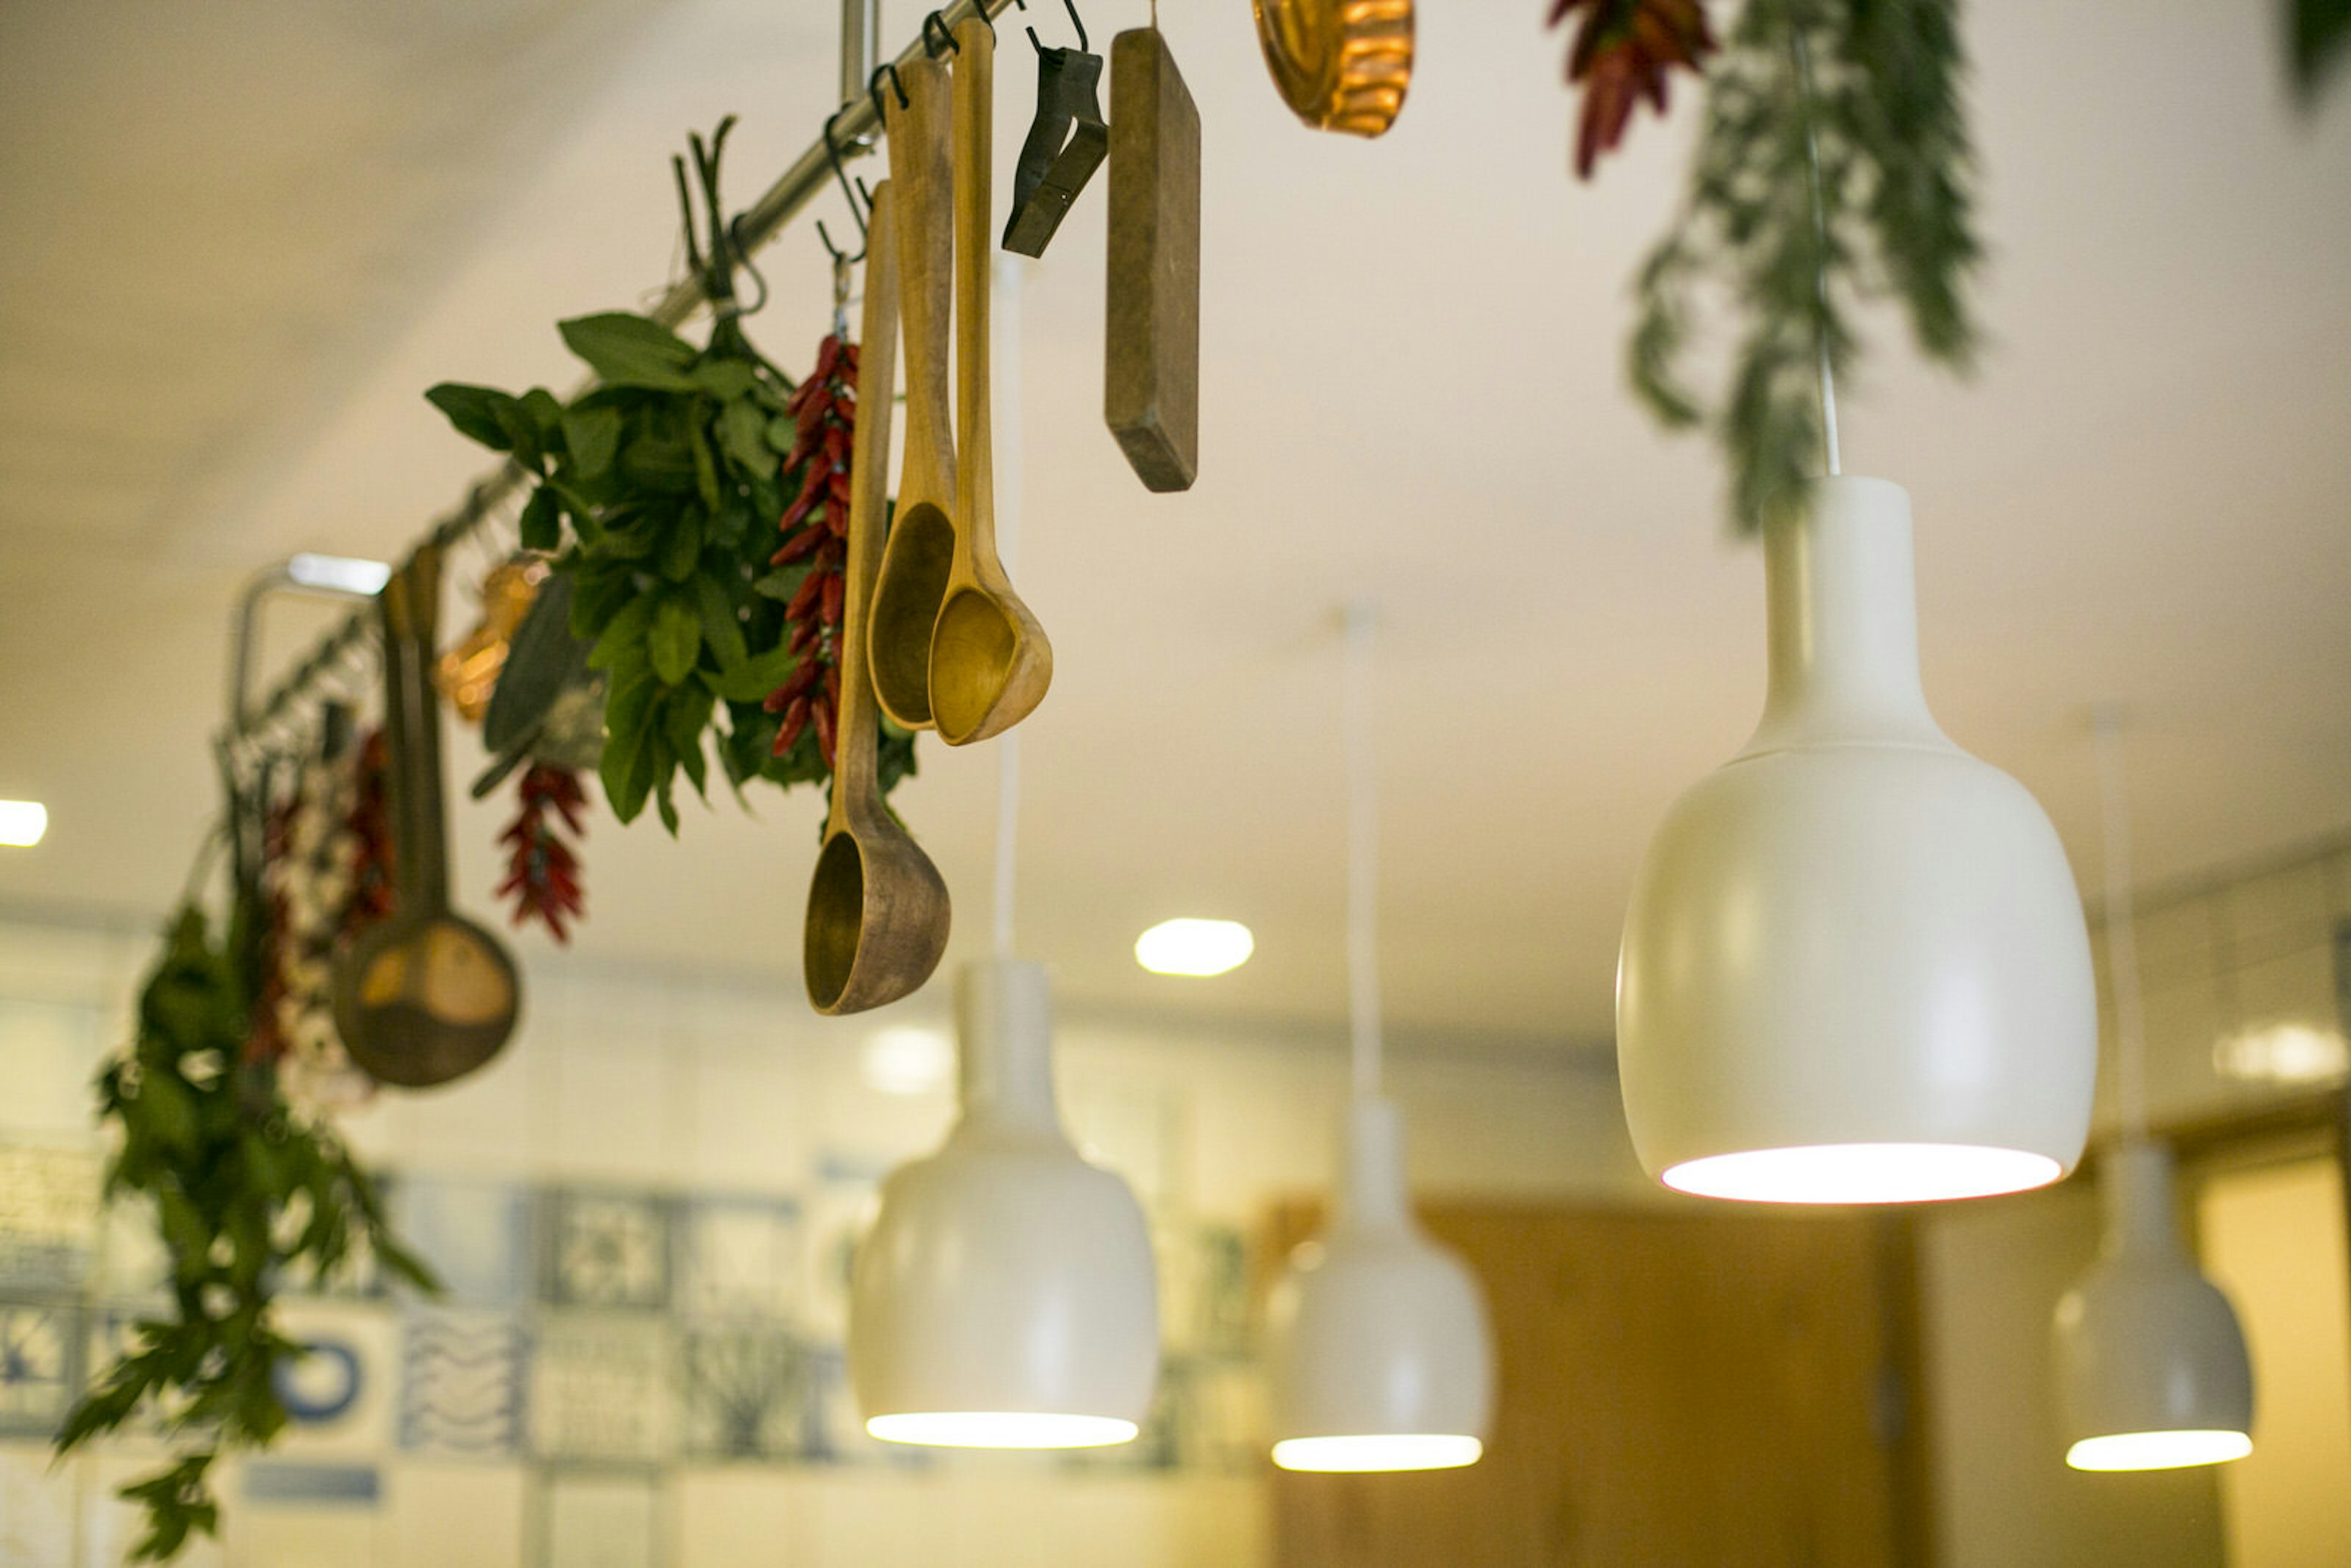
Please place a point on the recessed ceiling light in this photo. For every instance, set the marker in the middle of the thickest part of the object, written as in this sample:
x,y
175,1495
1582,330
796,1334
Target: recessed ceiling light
x,y
341,573
906,1059
1194,947
2283,1053
23,821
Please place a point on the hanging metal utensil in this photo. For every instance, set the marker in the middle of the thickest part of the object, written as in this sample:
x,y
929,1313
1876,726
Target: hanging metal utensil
x,y
1342,65
1065,145
426,996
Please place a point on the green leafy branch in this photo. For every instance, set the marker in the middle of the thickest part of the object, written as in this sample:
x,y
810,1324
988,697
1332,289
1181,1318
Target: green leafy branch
x,y
1834,167
246,1196
661,488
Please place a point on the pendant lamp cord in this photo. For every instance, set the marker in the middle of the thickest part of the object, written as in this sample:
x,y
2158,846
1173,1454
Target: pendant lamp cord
x,y
1005,353
1820,251
1362,857
2122,937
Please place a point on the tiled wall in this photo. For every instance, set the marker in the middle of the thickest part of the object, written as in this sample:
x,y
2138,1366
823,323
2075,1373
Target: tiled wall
x,y
642,1213
2241,978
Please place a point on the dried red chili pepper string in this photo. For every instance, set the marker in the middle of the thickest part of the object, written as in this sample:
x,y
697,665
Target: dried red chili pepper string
x,y
267,1042
1621,54
370,822
542,871
815,527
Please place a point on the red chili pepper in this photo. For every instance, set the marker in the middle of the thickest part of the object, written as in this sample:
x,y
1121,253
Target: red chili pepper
x,y
821,710
796,719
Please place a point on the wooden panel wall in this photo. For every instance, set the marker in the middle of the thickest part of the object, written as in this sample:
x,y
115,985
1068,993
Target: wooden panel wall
x,y
1716,1388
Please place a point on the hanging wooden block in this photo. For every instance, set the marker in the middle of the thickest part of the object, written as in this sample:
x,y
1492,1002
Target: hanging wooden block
x,y
1151,380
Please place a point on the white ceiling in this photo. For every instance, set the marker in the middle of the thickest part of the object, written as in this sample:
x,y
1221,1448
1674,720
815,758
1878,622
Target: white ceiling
x,y
236,242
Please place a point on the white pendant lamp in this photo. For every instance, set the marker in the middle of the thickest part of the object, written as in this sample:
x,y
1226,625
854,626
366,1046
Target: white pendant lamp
x,y
2152,1369
1854,968
1379,1353
1006,1297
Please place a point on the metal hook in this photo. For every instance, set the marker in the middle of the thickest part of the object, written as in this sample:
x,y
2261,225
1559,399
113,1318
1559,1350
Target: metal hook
x,y
874,89
743,260
936,20
1071,7
841,258
832,156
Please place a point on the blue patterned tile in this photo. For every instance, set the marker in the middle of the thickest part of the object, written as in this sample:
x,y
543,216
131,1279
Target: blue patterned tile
x,y
462,1383
48,1217
739,1258
40,1365
604,1387
747,1392
607,1248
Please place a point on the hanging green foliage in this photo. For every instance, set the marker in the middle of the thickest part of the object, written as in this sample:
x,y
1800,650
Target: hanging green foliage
x,y
663,489
2318,33
1873,86
247,1196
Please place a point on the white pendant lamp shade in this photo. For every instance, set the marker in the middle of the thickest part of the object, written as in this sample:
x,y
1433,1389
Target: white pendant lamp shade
x,y
1854,968
2151,1365
1005,1296
1378,1350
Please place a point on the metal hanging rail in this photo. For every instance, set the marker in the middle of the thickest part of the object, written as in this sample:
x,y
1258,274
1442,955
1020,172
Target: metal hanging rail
x,y
856,131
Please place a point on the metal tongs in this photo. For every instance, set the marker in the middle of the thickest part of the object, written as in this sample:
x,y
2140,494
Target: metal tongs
x,y
1066,142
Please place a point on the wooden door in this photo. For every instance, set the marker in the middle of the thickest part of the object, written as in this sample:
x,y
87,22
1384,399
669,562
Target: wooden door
x,y
1718,1388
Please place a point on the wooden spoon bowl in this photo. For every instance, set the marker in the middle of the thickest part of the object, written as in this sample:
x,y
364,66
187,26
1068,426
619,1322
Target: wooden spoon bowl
x,y
990,663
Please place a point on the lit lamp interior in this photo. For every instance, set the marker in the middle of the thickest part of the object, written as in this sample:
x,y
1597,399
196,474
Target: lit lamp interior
x,y
1001,1429
2158,1450
1863,1173
1379,1451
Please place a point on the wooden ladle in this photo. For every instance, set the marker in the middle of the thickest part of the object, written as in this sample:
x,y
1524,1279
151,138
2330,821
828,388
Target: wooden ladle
x,y
990,662
921,548
426,996
877,908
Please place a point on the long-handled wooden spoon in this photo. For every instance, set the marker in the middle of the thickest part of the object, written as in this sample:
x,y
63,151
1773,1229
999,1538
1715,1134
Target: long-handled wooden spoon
x,y
990,662
426,996
921,550
877,909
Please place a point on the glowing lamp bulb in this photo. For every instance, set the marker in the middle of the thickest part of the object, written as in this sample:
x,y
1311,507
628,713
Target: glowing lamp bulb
x,y
1194,947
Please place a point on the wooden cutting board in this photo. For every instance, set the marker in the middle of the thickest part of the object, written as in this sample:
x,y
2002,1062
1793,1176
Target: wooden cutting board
x,y
1151,370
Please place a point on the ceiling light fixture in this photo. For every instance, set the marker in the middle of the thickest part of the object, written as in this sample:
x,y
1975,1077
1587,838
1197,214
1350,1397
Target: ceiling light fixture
x,y
1855,966
2151,1363
1006,1297
338,573
1195,947
1379,1353
907,1059
22,822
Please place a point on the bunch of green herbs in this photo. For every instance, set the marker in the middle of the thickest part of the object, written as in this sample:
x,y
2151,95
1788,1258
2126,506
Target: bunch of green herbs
x,y
247,1197
1834,168
659,492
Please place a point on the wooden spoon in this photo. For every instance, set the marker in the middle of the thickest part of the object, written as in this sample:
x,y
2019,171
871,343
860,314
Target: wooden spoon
x,y
426,996
921,548
877,909
989,660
